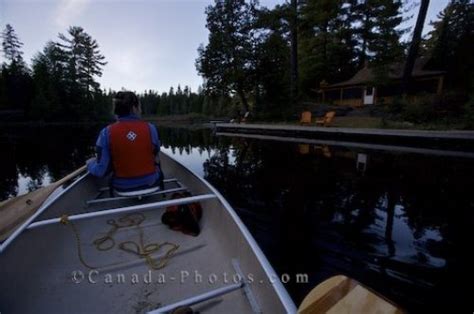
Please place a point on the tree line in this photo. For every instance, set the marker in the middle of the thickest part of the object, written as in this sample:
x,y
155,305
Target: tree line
x,y
184,101
267,61
273,60
61,83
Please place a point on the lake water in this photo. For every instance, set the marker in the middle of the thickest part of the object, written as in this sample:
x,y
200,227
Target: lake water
x,y
398,222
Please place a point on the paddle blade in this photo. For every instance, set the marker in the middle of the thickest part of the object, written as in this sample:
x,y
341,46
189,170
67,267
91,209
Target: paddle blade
x,y
16,210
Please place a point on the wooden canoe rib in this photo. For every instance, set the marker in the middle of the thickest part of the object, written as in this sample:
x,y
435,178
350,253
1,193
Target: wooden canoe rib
x,y
39,260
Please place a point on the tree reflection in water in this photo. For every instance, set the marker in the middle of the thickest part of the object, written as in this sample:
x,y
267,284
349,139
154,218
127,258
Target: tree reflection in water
x,y
397,222
38,155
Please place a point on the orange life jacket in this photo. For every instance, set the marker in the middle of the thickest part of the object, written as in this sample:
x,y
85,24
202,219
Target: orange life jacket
x,y
131,149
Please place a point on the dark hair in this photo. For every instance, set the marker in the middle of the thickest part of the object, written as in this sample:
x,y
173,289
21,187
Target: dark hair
x,y
124,102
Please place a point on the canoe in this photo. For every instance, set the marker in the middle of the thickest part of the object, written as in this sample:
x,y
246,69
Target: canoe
x,y
86,252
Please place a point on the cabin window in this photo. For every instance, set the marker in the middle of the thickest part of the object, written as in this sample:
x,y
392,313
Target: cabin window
x,y
369,91
352,93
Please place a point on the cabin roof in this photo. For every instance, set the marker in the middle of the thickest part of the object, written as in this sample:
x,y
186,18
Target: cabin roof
x,y
366,74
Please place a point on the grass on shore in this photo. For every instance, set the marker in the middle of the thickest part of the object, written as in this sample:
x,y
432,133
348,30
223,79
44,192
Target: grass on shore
x,y
377,122
368,122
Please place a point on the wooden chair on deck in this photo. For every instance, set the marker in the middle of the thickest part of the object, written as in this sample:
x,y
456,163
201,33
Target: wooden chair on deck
x,y
327,119
245,118
305,117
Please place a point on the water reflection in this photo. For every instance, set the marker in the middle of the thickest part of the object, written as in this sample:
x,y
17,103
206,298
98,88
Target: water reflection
x,y
33,157
395,221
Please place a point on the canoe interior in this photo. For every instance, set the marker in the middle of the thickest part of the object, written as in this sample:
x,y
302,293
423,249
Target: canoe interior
x,y
36,269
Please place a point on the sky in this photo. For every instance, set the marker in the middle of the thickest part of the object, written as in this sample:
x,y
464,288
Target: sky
x,y
148,44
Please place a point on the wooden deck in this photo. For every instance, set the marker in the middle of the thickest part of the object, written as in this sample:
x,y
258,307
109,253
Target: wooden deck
x,y
458,140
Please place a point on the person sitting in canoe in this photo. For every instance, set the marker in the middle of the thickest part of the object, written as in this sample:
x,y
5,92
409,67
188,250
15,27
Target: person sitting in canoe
x,y
128,148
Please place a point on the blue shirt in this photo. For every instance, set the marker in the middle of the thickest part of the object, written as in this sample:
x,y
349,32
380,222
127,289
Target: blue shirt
x,y
102,165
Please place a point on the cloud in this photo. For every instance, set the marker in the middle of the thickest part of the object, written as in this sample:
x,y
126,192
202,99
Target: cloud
x,y
69,10
132,67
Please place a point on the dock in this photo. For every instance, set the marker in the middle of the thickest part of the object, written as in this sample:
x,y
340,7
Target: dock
x,y
453,140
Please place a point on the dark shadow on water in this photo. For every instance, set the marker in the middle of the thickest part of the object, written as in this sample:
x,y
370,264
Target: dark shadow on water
x,y
37,155
396,222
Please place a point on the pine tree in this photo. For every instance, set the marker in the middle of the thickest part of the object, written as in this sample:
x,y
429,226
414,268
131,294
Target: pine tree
x,y
227,62
41,105
187,99
12,49
91,62
163,107
73,49
171,101
179,104
327,42
273,59
48,81
378,33
451,43
16,80
84,62
294,82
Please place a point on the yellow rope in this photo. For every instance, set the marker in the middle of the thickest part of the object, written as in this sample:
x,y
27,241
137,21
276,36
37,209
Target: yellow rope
x,y
145,251
141,249
123,222
65,221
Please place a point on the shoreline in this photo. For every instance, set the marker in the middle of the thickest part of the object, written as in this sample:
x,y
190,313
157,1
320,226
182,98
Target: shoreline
x,y
165,121
453,139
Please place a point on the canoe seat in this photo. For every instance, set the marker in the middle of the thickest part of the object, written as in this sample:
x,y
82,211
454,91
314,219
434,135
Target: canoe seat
x,y
137,193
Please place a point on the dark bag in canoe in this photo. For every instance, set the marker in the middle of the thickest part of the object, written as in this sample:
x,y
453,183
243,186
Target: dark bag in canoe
x,y
184,218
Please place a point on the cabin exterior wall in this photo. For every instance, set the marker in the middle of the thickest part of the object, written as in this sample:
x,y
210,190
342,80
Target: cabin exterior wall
x,y
353,96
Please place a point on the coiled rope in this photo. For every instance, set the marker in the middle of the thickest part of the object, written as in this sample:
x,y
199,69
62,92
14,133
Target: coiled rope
x,y
140,249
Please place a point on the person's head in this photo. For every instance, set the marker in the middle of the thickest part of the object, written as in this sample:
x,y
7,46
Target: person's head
x,y
126,103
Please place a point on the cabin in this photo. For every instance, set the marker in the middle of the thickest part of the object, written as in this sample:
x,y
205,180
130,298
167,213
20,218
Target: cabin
x,y
360,90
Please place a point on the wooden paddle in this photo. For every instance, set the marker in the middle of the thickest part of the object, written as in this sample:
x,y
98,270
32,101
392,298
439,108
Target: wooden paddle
x,y
340,294
16,210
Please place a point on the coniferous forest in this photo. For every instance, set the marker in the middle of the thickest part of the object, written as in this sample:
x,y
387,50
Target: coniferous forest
x,y
267,61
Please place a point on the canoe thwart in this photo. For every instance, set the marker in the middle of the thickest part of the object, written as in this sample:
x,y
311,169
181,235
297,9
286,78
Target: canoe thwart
x,y
106,188
120,210
118,198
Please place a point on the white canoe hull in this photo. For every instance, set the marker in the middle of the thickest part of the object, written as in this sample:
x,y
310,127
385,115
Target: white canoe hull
x,y
40,270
